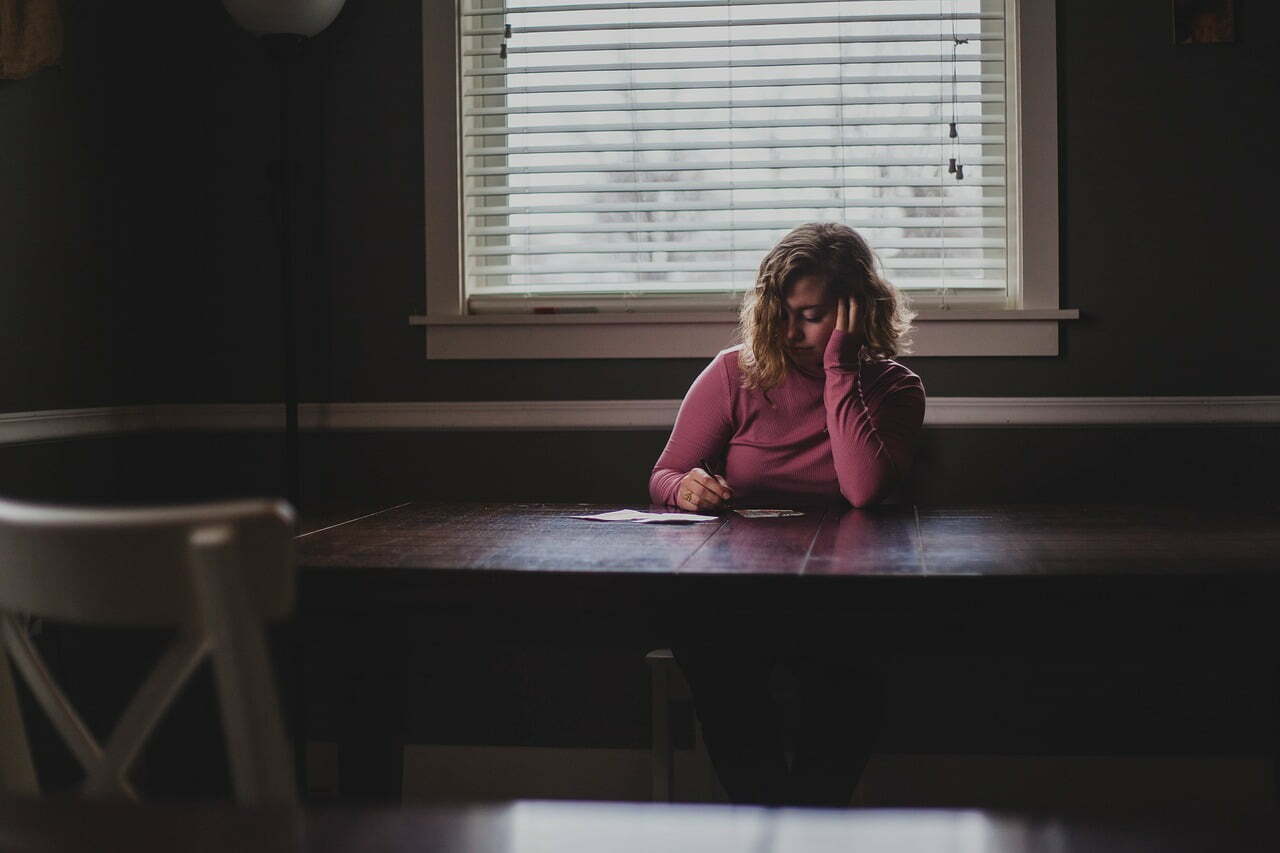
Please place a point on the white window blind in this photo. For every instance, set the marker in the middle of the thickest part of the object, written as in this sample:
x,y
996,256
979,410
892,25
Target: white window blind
x,y
648,153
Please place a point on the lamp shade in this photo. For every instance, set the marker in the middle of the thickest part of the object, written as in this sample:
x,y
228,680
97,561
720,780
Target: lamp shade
x,y
284,17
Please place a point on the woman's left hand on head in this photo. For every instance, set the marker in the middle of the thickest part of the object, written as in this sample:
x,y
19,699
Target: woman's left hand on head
x,y
846,313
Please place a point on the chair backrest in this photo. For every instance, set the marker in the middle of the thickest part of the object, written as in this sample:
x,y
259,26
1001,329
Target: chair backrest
x,y
214,571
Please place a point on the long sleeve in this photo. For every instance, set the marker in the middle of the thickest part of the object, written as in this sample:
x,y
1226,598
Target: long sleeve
x,y
702,429
874,413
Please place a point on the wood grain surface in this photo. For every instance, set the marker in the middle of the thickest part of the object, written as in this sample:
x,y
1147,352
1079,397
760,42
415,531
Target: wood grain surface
x,y
1032,541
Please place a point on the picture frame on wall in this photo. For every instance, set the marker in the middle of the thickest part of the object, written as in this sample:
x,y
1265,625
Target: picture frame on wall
x,y
1204,21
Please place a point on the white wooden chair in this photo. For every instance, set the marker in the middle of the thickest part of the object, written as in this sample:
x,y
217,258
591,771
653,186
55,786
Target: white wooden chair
x,y
216,572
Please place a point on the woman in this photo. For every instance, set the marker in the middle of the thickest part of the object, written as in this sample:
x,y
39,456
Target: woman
x,y
809,409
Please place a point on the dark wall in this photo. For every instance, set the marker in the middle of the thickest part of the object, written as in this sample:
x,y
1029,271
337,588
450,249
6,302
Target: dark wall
x,y
58,347
137,214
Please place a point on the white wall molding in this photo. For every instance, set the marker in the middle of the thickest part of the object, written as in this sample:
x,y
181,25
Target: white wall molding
x,y
660,414
518,415
1100,411
16,427
50,424
944,412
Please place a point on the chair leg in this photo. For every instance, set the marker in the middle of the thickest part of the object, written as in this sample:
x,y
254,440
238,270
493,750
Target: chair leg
x,y
17,771
142,715
661,751
75,734
261,763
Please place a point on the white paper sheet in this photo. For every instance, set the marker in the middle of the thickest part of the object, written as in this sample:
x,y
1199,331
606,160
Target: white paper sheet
x,y
638,517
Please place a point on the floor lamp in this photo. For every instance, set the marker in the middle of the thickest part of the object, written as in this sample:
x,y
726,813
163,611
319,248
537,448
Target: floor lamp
x,y
283,27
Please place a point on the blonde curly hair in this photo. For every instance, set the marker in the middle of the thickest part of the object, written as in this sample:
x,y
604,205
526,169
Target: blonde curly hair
x,y
841,258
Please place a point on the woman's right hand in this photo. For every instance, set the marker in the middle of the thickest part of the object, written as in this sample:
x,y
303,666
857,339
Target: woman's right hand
x,y
700,491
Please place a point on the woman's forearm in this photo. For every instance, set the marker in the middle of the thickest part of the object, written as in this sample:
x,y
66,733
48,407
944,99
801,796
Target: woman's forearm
x,y
874,413
701,431
663,483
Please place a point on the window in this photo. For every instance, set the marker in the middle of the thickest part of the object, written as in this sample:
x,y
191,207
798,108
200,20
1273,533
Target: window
x,y
622,167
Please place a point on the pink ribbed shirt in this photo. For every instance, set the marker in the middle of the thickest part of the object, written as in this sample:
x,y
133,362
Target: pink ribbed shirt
x,y
848,431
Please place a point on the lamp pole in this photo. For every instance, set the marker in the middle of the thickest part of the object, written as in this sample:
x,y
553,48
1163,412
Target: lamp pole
x,y
284,26
283,50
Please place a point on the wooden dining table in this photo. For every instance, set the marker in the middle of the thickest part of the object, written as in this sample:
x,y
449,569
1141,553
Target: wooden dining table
x,y
1171,608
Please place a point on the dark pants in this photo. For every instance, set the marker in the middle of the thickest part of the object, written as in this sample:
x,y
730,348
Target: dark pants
x,y
783,726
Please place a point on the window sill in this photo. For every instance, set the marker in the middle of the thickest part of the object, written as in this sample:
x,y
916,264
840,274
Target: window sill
x,y
1030,332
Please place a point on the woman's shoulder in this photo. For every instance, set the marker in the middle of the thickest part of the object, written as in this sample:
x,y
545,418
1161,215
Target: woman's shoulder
x,y
890,374
727,364
729,358
720,373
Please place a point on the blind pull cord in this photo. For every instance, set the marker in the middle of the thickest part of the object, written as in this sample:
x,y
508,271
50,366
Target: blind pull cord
x,y
955,168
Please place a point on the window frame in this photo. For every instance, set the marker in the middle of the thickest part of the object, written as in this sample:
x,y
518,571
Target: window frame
x,y
1029,328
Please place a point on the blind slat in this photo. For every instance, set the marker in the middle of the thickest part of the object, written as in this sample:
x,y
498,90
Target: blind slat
x,y
677,267
726,145
720,165
746,245
518,293
731,124
763,204
518,30
780,62
730,186
749,83
639,4
779,103
734,225
885,38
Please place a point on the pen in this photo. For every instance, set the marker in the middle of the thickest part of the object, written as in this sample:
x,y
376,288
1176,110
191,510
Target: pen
x,y
706,466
